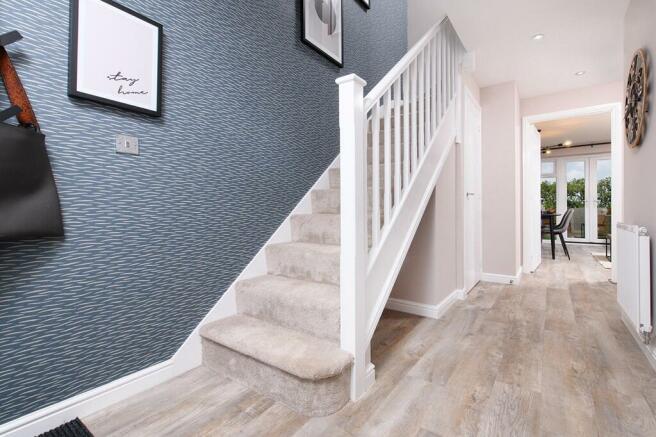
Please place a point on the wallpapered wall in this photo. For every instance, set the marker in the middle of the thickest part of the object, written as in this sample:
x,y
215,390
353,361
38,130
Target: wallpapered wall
x,y
250,122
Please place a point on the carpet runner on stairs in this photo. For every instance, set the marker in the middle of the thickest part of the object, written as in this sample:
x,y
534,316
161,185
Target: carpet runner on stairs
x,y
284,340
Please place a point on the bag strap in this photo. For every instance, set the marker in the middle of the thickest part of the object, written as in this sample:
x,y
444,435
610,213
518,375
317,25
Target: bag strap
x,y
16,92
9,113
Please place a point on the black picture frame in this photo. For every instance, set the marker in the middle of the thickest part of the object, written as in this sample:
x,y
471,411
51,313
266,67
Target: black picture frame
x,y
337,62
73,61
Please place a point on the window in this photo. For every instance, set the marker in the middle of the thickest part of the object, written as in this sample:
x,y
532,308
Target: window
x,y
576,191
603,180
548,186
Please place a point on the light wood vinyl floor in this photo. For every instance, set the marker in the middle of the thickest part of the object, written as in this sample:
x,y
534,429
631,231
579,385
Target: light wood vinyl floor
x,y
550,357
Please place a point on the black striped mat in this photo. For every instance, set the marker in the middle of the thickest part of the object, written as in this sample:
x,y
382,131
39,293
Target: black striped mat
x,y
74,428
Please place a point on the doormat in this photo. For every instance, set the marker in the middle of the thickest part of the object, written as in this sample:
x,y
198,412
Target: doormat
x,y
74,428
601,258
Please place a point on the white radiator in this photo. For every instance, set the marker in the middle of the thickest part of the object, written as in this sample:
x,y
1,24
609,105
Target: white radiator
x,y
634,277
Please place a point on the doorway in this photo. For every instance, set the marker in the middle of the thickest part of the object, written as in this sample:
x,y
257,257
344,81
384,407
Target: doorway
x,y
577,175
581,183
473,249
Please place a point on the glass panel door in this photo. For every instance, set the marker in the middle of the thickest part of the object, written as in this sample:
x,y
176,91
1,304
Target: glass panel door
x,y
601,186
576,198
548,186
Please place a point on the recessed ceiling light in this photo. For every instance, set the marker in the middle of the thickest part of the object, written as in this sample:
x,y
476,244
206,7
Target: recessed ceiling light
x,y
567,143
548,152
538,36
580,73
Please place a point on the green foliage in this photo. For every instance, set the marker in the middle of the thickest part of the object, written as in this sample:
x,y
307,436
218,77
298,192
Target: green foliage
x,y
576,193
548,193
604,192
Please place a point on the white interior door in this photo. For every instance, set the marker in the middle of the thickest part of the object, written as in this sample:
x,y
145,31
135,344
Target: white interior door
x,y
473,249
532,244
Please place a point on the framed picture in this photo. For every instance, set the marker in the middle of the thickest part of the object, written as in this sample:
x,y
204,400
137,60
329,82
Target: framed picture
x,y
115,56
366,3
323,28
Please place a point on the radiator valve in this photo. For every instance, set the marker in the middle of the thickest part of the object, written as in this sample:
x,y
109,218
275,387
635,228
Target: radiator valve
x,y
646,334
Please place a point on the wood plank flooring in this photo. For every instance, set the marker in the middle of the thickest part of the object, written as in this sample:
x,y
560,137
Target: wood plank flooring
x,y
550,357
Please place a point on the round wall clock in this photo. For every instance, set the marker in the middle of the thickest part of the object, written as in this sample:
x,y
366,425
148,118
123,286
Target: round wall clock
x,y
635,103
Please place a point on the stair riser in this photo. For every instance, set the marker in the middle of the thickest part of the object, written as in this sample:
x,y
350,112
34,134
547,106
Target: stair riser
x,y
381,157
328,201
318,320
325,201
300,264
321,229
335,181
310,398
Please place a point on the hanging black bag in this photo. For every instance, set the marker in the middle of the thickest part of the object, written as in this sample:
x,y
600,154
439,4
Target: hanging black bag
x,y
29,204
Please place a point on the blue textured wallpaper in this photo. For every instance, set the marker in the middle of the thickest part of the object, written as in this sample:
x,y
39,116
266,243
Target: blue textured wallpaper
x,y
250,122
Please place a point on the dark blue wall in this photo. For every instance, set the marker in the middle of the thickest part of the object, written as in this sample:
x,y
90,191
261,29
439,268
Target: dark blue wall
x,y
250,122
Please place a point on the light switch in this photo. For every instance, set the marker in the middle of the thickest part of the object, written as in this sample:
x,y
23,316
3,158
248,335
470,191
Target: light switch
x,y
127,144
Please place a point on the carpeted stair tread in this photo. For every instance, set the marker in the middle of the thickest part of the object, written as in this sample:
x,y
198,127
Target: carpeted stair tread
x,y
302,355
311,307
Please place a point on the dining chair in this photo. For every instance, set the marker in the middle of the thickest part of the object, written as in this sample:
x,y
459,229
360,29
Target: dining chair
x,y
561,228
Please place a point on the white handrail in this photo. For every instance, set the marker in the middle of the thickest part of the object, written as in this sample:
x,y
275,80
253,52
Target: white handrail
x,y
392,76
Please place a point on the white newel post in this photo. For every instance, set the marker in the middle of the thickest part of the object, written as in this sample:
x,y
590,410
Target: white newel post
x,y
353,262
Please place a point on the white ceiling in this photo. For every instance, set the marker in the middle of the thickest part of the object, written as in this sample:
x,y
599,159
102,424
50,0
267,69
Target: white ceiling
x,y
579,35
579,130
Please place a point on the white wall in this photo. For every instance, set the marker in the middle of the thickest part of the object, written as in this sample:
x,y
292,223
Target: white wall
x,y
429,272
639,163
574,99
470,83
501,180
422,14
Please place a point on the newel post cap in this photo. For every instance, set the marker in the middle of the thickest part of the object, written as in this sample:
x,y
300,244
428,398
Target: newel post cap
x,y
351,78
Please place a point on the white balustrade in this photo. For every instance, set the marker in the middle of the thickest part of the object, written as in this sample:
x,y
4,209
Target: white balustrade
x,y
400,119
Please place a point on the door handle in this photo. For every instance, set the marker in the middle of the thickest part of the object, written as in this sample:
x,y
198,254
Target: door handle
x,y
470,194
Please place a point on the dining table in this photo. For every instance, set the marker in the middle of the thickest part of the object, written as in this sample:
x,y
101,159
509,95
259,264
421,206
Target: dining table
x,y
551,216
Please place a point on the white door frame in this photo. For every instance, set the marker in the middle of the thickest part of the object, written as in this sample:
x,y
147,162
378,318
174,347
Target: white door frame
x,y
593,203
531,249
617,162
472,262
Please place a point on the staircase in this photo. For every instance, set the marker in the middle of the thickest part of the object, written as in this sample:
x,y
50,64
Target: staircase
x,y
284,341
301,333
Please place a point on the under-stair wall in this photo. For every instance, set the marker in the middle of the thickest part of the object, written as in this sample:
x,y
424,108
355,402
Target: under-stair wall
x,y
429,276
430,279
154,241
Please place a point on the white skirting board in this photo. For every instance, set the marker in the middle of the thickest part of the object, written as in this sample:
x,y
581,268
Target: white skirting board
x,y
187,357
502,279
425,310
88,402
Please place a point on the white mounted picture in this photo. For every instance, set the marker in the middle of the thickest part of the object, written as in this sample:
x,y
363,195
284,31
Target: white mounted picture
x,y
323,28
115,56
